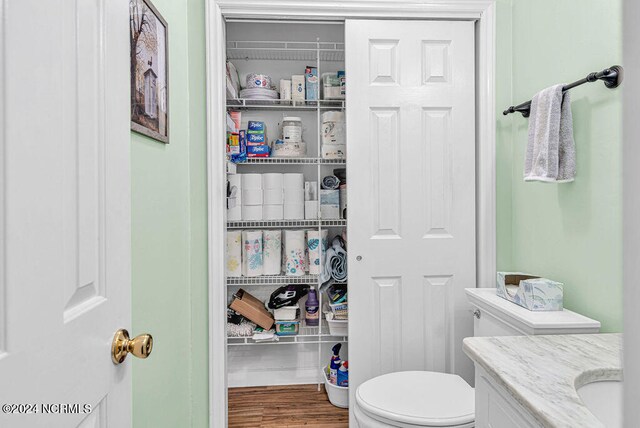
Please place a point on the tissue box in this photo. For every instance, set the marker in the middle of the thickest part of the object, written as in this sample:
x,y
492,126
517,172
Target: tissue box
x,y
530,291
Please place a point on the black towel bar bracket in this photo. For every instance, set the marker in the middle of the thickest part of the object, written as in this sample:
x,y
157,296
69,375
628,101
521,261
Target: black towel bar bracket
x,y
612,78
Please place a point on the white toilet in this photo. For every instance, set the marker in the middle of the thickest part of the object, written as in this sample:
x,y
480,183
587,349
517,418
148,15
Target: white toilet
x,y
428,399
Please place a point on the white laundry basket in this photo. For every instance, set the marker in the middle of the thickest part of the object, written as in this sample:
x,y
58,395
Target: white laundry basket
x,y
338,395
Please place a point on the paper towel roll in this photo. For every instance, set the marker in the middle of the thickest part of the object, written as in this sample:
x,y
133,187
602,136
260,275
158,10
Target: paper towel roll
x,y
293,180
252,181
273,196
294,212
273,212
252,212
272,244
317,246
252,254
293,196
252,197
272,180
310,210
234,253
294,252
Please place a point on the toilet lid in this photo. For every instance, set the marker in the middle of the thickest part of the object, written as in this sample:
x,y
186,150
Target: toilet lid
x,y
420,398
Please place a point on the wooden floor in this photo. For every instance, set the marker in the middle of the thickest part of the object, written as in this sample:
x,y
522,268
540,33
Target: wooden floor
x,y
284,407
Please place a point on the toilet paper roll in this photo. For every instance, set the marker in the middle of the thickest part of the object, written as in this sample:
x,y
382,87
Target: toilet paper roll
x,y
272,196
252,254
294,252
272,181
316,247
294,212
273,212
235,187
252,212
252,181
330,211
293,180
310,210
234,253
272,249
293,196
252,197
235,213
310,190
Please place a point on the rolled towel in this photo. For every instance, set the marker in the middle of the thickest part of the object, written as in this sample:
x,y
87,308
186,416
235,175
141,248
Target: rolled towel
x,y
252,253
244,329
335,264
272,243
234,253
330,182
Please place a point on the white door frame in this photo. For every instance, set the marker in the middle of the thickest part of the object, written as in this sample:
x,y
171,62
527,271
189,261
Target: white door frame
x,y
480,11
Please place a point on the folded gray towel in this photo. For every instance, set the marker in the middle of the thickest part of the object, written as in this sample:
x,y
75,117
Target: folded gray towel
x,y
551,152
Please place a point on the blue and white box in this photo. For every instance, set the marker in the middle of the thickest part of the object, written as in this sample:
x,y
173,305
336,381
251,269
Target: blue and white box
x,y
530,291
255,127
256,139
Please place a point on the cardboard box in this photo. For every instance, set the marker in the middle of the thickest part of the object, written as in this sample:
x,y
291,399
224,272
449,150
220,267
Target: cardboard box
x,y
298,87
311,83
252,309
530,291
256,139
261,151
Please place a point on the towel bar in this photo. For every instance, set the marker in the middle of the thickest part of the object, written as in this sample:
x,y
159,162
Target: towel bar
x,y
611,76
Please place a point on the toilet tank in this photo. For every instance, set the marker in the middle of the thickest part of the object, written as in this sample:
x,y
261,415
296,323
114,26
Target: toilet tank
x,y
495,316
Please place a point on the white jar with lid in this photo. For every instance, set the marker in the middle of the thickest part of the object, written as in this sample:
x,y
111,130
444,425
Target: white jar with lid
x,y
292,129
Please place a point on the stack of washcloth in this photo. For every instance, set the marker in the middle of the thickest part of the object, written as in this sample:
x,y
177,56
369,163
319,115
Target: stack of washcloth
x,y
551,152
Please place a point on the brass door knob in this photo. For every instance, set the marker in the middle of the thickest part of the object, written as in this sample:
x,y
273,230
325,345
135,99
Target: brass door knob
x,y
140,346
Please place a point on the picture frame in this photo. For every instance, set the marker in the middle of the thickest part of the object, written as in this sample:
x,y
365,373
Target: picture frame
x,y
149,66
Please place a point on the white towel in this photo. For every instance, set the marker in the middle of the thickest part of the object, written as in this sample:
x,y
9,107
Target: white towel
x,y
551,152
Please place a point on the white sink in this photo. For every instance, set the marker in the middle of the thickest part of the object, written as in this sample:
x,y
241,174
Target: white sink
x,y
604,400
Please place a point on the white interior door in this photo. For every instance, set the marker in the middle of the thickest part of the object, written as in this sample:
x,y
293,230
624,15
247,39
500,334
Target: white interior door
x,y
65,207
411,163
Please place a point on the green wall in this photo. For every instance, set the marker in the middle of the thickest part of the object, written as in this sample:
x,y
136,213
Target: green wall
x,y
169,232
568,232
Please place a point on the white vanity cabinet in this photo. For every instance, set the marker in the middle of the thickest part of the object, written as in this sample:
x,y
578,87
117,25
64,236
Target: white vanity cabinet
x,y
496,408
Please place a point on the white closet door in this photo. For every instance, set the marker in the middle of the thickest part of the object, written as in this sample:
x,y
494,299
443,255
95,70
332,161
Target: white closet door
x,y
411,163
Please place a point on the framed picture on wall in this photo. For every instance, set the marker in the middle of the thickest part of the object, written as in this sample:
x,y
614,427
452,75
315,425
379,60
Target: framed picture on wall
x,y
149,71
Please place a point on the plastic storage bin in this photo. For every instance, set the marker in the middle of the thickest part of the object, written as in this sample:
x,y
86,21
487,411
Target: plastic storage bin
x,y
338,327
286,313
340,310
338,395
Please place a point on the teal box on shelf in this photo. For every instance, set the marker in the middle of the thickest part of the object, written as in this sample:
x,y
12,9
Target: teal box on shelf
x,y
529,291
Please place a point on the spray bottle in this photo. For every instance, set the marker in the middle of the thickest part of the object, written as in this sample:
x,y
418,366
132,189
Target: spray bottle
x,y
343,374
335,364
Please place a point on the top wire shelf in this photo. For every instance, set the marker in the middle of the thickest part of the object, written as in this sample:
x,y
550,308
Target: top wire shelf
x,y
277,104
285,51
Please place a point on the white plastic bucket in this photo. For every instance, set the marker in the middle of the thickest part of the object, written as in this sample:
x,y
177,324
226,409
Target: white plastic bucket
x,y
338,395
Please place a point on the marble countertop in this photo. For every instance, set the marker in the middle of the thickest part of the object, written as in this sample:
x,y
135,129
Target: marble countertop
x,y
542,373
